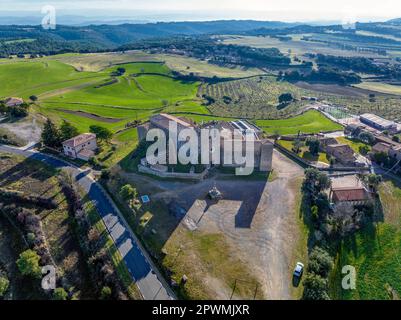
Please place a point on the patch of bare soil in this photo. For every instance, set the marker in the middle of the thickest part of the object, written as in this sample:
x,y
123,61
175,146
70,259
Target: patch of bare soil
x,y
27,130
92,116
339,90
256,219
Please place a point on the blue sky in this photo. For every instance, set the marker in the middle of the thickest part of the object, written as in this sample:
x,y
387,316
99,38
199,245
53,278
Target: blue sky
x,y
285,10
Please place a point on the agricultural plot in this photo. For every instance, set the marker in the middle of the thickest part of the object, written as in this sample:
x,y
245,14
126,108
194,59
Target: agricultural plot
x,y
188,65
96,62
24,79
256,97
144,89
296,46
375,252
310,122
380,87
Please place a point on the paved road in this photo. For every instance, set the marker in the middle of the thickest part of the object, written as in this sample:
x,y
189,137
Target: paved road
x,y
149,281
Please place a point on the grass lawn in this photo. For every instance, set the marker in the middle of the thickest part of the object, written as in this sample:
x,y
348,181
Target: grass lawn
x,y
353,143
375,252
304,152
28,78
310,122
124,143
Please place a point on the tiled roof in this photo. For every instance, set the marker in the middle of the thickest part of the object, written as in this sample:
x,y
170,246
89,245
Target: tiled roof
x,y
78,140
381,147
13,101
350,195
162,120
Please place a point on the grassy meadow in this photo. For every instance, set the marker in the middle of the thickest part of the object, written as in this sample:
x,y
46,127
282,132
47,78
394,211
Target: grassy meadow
x,y
86,89
309,122
375,252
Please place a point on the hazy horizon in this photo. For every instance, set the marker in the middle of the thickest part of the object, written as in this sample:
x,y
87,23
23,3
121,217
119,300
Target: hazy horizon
x,y
190,10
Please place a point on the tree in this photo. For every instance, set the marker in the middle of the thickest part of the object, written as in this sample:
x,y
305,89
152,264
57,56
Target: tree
x,y
105,174
18,112
315,288
374,181
105,294
320,262
381,158
4,283
314,146
102,133
33,98
315,212
396,138
364,150
121,71
67,131
127,192
367,137
316,181
60,294
297,145
28,264
51,135
3,107
285,98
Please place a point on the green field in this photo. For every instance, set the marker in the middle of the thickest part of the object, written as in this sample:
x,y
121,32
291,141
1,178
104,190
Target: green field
x,y
112,100
304,152
375,252
310,122
24,79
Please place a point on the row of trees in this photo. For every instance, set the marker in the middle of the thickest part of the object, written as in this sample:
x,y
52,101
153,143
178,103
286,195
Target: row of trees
x,y
323,75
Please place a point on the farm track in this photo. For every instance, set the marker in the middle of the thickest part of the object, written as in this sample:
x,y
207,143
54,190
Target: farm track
x,y
92,116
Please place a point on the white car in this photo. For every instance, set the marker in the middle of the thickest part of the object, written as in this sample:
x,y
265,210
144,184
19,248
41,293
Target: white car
x,y
299,270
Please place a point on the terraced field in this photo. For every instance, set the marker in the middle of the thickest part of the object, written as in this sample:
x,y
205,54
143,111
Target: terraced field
x,y
144,89
256,97
110,99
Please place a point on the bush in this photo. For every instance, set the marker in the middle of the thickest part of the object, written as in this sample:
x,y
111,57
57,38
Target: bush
x,y
320,262
28,264
315,288
105,175
60,294
364,150
127,192
105,294
4,283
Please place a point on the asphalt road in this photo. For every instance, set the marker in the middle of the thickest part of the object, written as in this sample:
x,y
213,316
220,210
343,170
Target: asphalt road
x,y
149,281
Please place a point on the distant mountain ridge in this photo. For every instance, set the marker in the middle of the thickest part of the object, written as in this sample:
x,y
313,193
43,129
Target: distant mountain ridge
x,y
114,35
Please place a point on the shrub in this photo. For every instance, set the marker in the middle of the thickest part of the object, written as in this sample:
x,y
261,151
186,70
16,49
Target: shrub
x,y
60,294
320,262
127,192
4,283
105,175
315,288
28,264
105,293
